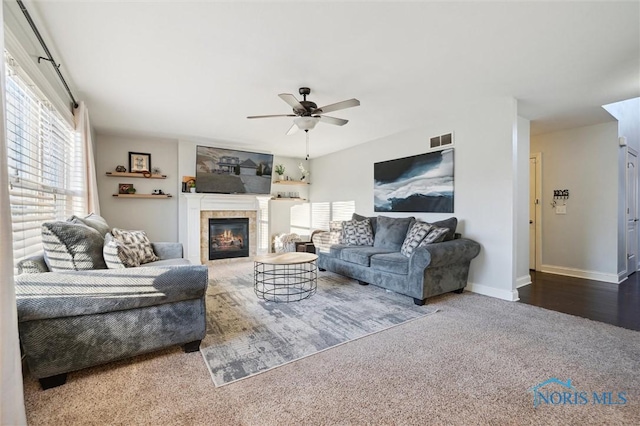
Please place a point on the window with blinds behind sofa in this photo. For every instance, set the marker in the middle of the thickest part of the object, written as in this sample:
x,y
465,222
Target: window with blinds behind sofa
x,y
46,162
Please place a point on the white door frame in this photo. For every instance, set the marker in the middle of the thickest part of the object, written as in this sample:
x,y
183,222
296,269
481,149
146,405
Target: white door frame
x,y
636,212
538,219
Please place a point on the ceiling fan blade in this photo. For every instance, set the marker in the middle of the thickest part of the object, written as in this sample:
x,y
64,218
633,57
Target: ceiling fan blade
x,y
338,105
333,120
292,129
271,116
291,100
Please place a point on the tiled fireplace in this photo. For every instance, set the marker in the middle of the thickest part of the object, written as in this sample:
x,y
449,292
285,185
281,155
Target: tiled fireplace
x,y
228,244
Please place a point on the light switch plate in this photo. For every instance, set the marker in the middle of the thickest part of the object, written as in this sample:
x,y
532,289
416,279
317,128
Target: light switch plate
x,y
561,209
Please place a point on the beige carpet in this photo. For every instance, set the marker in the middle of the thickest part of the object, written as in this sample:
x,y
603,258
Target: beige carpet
x,y
472,363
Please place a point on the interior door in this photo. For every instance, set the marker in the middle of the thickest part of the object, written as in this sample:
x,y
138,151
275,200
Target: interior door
x,y
532,213
632,212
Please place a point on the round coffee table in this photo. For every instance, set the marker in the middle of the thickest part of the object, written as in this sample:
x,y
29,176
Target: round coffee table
x,y
285,277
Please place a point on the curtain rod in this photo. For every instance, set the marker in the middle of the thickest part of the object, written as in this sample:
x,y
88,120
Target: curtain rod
x,y
46,51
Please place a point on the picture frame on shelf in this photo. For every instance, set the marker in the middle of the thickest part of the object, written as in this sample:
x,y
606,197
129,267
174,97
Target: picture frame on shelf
x,y
124,188
139,162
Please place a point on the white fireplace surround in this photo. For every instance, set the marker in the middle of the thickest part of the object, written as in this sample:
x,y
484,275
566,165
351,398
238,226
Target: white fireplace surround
x,y
197,203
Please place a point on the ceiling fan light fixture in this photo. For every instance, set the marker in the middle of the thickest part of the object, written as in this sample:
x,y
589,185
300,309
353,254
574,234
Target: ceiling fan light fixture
x,y
306,123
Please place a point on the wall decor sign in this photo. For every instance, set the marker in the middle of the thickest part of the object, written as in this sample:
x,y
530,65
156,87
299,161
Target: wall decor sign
x,y
421,183
139,162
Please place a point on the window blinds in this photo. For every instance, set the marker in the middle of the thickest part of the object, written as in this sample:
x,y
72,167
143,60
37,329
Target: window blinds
x,y
45,161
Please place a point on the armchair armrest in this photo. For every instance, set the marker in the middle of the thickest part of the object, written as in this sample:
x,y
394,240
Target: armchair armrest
x,y
168,250
461,250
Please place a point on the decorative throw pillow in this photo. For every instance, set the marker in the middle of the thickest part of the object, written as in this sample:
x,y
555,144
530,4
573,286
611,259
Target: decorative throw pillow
x,y
335,225
357,233
72,247
414,237
138,242
436,235
373,220
450,224
92,221
391,231
117,255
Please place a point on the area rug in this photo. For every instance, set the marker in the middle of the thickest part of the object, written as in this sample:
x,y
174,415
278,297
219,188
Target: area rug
x,y
248,336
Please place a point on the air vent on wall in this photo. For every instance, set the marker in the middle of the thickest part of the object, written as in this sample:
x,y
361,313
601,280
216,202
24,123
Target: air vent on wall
x,y
442,140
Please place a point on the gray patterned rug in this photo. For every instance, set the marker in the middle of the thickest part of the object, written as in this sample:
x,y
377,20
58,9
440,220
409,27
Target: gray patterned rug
x,y
248,336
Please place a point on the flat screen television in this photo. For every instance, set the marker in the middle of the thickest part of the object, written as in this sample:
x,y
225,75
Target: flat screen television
x,y
227,171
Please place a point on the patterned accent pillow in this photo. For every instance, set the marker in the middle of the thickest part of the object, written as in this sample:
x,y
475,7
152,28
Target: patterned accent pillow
x,y
117,255
335,225
138,242
72,247
357,233
324,240
436,235
414,237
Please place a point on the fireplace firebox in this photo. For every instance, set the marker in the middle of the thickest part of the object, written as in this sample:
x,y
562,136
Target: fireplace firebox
x,y
228,238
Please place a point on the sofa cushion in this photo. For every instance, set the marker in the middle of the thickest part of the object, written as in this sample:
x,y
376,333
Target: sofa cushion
x,y
414,237
396,263
72,247
168,262
391,231
138,242
373,220
117,255
92,221
436,235
450,224
336,250
33,265
357,233
361,255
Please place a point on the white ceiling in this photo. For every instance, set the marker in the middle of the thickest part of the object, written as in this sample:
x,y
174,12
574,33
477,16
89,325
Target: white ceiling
x,y
195,70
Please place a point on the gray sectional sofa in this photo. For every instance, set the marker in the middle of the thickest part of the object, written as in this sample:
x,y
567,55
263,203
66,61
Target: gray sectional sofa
x,y
69,320
430,270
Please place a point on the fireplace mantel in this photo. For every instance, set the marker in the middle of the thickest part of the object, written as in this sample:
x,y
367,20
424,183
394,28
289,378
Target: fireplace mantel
x,y
197,203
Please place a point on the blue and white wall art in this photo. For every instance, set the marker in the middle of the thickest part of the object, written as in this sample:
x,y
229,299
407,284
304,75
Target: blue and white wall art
x,y
421,183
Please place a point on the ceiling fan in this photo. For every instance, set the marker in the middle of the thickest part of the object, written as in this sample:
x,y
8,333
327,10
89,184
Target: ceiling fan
x,y
307,114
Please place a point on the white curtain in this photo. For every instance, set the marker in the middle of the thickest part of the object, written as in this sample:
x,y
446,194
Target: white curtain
x,y
83,129
12,404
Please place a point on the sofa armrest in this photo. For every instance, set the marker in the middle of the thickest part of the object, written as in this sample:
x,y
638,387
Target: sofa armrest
x,y
73,293
325,239
168,250
461,250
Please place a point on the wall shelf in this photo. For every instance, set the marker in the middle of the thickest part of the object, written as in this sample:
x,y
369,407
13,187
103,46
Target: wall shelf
x,y
142,196
288,199
135,175
292,182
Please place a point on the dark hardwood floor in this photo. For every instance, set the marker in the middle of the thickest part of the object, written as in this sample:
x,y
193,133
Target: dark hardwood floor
x,y
614,304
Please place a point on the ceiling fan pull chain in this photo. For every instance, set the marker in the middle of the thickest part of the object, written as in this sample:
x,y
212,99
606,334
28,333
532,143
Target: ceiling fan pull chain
x,y
307,132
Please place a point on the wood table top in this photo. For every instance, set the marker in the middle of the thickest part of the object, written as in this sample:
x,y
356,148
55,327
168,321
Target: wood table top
x,y
290,258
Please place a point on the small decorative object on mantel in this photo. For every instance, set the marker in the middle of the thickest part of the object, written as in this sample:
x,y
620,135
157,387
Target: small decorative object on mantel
x,y
185,182
279,169
123,188
140,162
121,169
192,186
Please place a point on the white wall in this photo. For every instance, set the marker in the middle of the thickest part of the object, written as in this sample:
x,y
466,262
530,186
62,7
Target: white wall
x,y
521,188
584,241
158,217
484,182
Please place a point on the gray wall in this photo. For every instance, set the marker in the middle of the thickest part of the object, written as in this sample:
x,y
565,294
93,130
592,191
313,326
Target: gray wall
x,y
158,217
584,241
485,144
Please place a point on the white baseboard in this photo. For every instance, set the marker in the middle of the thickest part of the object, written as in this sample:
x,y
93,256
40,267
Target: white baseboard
x,y
622,276
523,280
510,295
581,273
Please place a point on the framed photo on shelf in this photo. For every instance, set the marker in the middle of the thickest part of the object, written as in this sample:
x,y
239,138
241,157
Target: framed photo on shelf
x,y
124,188
139,162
